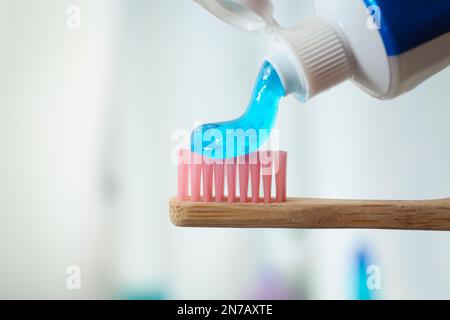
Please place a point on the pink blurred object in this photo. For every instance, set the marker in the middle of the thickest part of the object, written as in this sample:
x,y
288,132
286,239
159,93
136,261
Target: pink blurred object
x,y
207,177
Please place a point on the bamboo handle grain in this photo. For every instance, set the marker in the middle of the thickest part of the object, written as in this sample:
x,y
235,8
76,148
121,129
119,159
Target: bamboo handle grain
x,y
315,214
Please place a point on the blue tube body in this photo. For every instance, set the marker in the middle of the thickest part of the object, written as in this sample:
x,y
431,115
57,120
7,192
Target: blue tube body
x,y
407,24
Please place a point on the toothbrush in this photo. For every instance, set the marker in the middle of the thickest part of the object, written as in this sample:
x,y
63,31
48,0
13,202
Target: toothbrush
x,y
214,209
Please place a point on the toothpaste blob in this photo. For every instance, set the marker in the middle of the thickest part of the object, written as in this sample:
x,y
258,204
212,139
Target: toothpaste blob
x,y
248,133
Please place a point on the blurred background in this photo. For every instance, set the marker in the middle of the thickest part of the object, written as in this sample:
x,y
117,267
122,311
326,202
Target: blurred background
x,y
87,112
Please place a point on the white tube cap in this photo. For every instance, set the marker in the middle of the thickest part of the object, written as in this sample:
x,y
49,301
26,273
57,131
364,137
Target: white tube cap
x,y
247,15
310,58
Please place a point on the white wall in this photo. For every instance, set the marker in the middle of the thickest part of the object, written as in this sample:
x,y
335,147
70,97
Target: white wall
x,y
52,114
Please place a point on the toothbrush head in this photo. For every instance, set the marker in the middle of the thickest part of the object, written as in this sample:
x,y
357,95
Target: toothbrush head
x,y
202,179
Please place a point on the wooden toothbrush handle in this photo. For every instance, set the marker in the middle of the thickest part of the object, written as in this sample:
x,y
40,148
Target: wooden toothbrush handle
x,y
315,214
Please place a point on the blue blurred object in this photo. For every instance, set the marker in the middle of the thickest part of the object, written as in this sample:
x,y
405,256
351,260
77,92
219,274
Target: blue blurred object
x,y
362,290
143,295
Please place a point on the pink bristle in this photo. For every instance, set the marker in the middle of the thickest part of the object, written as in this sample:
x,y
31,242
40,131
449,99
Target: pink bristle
x,y
243,163
207,171
210,174
231,180
284,168
183,174
266,170
278,179
280,176
219,180
196,175
255,173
